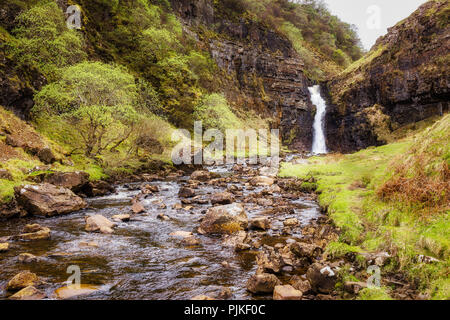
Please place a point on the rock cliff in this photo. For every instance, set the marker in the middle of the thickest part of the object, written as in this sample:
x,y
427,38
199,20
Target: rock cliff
x,y
262,66
405,78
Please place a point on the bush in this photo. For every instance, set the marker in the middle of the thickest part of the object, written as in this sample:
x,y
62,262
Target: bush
x,y
215,113
44,41
97,100
341,58
179,90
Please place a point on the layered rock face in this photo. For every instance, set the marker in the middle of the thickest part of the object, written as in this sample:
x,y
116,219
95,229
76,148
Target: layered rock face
x,y
404,79
262,64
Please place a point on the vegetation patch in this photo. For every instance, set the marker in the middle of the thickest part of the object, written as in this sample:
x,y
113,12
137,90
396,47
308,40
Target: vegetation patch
x,y
400,204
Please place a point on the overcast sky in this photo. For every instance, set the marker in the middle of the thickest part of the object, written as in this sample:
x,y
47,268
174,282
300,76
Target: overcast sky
x,y
364,14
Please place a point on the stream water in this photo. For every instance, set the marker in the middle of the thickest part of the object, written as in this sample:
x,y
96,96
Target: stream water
x,y
140,260
319,143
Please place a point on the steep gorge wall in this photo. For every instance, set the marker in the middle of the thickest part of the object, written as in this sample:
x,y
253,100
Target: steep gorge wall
x,y
261,64
404,79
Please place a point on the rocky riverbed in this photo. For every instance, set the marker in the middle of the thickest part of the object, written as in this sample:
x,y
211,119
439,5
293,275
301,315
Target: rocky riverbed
x,y
224,232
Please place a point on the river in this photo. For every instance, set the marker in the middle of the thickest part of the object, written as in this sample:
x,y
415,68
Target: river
x,y
140,260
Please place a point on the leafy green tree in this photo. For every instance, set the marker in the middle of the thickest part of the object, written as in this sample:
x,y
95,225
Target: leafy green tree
x,y
96,100
44,41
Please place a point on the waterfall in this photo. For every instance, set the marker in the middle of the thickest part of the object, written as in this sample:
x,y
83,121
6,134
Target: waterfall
x,y
319,144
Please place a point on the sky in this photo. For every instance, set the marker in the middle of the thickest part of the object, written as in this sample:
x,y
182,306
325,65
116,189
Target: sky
x,y
372,17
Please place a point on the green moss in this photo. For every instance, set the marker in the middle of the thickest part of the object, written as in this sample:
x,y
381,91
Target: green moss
x,y
374,294
340,249
308,187
7,190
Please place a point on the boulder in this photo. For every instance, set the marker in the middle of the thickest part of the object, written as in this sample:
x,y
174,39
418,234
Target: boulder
x,y
10,209
286,292
34,232
241,246
99,223
259,224
46,155
88,244
137,207
121,217
163,217
22,280
303,249
269,261
322,278
5,175
4,247
225,294
354,287
201,175
31,228
75,181
268,171
98,188
262,283
378,258
74,290
149,188
27,258
232,240
225,219
181,234
191,241
291,222
186,192
28,293
222,198
302,285
262,181
48,200
263,202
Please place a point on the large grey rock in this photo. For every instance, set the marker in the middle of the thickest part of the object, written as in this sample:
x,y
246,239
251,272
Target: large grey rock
x,y
99,223
48,200
74,181
22,280
262,283
322,278
222,198
225,219
286,292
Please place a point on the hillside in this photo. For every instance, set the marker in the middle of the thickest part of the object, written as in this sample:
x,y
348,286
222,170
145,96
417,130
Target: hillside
x,y
179,62
87,122
402,80
394,199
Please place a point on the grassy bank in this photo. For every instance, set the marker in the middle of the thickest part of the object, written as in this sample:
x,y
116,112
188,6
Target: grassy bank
x,y
392,198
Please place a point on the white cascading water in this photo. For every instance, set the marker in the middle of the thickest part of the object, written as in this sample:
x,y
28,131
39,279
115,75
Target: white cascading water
x,y
319,144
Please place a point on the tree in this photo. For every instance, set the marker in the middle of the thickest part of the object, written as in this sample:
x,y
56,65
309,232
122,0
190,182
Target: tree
x,y
96,100
44,41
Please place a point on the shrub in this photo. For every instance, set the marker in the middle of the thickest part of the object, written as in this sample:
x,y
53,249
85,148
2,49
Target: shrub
x,y
97,100
214,112
341,58
178,88
44,41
